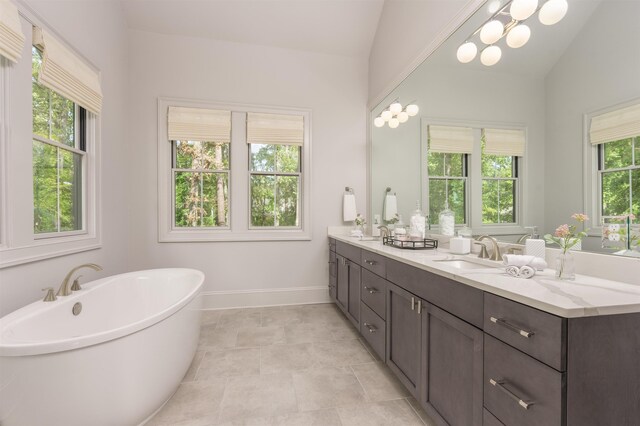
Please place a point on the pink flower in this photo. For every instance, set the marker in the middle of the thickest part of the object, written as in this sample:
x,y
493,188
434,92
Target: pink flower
x,y
580,217
562,231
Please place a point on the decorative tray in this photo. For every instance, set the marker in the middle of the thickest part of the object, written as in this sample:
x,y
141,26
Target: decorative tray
x,y
426,244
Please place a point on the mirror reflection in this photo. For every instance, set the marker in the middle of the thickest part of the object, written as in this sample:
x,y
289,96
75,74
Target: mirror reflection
x,y
549,130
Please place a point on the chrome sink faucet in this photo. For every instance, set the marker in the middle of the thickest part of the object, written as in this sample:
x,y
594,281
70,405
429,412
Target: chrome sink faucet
x,y
495,255
65,289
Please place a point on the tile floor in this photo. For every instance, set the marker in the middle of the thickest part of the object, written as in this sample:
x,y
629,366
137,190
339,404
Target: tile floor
x,y
290,365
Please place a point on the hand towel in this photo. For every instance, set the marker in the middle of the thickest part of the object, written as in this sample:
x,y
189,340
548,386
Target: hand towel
x,y
349,207
390,206
527,271
514,271
537,263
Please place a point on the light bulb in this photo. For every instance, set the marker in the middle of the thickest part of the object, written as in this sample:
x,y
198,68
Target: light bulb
x,y
395,108
518,36
378,122
403,117
412,110
467,52
553,11
386,115
522,9
393,123
491,55
491,32
494,6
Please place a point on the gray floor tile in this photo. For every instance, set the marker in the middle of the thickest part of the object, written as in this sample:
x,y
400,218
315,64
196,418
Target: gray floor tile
x,y
193,368
215,339
397,412
286,358
194,403
340,353
307,332
426,419
258,396
210,317
259,336
229,363
327,388
378,382
240,318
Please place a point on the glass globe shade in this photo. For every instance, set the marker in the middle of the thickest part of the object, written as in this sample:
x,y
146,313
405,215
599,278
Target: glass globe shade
x,y
467,52
494,6
395,108
393,123
412,110
518,36
386,115
553,11
491,55
378,122
403,117
491,32
522,9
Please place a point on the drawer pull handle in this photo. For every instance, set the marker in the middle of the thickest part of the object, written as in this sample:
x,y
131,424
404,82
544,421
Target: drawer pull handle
x,y
413,303
523,333
331,263
500,385
370,262
371,328
371,290
419,306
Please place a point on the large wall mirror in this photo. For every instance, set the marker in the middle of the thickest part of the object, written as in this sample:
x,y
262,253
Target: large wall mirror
x,y
542,99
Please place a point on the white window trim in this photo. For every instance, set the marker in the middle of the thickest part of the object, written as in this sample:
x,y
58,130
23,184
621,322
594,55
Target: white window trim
x,y
592,185
474,177
239,228
18,242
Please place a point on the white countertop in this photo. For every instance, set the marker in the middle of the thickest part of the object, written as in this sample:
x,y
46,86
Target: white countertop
x,y
585,296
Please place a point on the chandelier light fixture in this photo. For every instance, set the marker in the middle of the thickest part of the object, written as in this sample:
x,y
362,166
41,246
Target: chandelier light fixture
x,y
395,114
508,22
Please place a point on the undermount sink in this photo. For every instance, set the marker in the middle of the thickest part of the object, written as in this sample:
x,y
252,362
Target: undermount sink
x,y
465,264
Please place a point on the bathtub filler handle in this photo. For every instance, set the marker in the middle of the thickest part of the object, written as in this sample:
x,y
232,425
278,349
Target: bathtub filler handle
x,y
76,284
50,296
65,289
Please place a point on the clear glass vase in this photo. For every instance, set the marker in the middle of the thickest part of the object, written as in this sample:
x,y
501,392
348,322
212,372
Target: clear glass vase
x,y
566,266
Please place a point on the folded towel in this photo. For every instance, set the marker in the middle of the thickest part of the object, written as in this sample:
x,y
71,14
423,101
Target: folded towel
x,y
349,207
537,263
514,271
390,207
527,271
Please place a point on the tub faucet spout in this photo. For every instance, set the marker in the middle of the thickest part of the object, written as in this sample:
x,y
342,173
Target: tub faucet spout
x,y
65,289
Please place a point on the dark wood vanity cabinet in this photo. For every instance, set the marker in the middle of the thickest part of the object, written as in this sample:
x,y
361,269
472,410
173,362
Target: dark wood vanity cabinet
x,y
333,270
348,281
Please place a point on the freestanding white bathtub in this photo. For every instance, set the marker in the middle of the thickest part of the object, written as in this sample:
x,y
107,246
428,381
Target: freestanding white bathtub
x,y
115,363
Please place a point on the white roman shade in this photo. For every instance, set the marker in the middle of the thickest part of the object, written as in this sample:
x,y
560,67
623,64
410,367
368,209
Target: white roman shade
x,y
275,129
508,142
199,124
450,139
67,74
622,123
11,37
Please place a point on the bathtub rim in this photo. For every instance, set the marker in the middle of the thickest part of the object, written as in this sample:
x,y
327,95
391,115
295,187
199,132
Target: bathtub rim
x,y
12,348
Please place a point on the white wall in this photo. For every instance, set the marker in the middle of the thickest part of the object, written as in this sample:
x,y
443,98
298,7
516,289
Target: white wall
x,y
97,30
406,28
335,88
599,69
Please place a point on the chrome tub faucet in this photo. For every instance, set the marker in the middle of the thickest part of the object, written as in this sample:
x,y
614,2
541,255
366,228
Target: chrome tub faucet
x,y
65,289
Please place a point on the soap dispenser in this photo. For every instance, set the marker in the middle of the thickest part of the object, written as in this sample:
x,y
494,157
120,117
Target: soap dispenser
x,y
534,246
417,223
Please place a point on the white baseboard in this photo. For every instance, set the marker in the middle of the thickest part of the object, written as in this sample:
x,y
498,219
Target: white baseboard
x,y
264,297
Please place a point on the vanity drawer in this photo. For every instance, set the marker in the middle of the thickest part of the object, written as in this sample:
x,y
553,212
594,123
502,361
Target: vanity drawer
x,y
332,244
374,262
537,333
373,329
347,250
519,390
373,292
489,419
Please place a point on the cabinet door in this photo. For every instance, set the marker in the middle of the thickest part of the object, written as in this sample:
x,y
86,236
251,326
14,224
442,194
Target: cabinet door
x,y
404,337
333,278
342,284
452,363
354,293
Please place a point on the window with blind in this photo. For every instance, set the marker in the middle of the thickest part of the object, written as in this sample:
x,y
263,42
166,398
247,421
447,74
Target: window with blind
x,y
615,136
237,173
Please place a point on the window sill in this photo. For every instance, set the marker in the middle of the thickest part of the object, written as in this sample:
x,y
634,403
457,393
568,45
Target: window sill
x,y
229,236
46,249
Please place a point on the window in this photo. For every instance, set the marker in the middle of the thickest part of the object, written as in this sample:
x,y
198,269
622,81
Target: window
x,y
619,170
238,173
447,185
58,156
499,186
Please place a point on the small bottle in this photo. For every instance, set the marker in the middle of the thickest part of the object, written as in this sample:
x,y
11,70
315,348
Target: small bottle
x,y
447,222
417,223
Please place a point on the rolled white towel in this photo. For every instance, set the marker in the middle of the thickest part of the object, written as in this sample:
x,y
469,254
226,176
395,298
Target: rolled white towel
x,y
514,271
537,263
527,271
349,207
